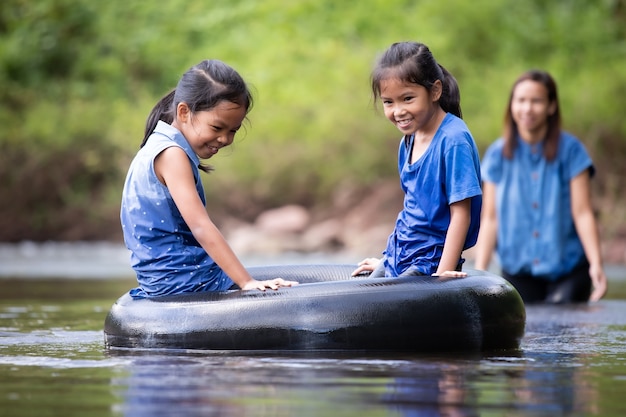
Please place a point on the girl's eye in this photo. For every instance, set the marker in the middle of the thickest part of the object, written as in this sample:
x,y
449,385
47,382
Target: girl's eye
x,y
408,98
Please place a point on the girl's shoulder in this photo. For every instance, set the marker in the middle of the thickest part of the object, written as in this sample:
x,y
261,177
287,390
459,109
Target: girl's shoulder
x,y
454,129
450,121
165,136
162,134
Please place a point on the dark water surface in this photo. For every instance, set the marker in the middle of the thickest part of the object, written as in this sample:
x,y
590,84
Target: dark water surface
x,y
572,362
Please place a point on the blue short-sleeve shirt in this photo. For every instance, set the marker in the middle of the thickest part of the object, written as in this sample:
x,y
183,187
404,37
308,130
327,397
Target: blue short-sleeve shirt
x,y
448,172
164,253
536,232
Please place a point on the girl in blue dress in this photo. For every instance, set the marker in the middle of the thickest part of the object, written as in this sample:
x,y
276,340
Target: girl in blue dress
x,y
438,163
537,211
175,247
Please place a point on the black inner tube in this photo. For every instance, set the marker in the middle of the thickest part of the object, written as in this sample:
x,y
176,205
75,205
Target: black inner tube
x,y
329,310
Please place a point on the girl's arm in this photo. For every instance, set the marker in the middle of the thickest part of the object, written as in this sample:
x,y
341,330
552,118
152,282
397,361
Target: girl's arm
x,y
486,243
587,230
460,213
173,170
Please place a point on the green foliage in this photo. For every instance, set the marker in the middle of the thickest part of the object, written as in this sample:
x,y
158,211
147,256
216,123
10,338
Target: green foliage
x,y
83,75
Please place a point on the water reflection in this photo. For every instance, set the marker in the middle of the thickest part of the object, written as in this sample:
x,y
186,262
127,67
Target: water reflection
x,y
446,393
572,361
565,366
565,388
274,386
566,346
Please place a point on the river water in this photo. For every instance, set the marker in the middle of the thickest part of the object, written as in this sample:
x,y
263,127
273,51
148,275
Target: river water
x,y
54,298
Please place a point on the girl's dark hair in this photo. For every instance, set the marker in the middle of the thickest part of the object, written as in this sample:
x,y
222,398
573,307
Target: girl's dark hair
x,y
414,63
511,131
202,87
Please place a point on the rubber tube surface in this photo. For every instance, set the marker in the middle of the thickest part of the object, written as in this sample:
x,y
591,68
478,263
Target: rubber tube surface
x,y
329,310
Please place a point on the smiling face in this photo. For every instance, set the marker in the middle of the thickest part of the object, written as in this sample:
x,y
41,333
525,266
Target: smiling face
x,y
530,109
208,131
410,107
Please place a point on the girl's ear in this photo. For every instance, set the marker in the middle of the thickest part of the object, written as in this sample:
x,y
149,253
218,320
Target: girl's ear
x,y
436,90
183,112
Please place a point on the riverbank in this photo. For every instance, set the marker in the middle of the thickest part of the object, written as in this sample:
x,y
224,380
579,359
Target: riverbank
x,y
362,232
355,225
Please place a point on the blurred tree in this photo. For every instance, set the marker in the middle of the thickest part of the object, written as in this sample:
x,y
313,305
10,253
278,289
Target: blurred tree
x,y
79,78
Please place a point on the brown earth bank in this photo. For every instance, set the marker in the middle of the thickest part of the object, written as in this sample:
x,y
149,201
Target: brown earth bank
x,y
361,229
353,222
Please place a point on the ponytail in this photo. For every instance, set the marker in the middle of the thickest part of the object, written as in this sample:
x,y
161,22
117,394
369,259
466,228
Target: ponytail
x,y
162,111
450,100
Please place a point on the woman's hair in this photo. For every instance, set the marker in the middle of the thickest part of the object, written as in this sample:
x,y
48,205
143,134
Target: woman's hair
x,y
511,131
413,62
202,87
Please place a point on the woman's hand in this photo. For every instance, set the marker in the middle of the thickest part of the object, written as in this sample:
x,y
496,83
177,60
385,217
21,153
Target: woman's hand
x,y
367,264
598,282
274,284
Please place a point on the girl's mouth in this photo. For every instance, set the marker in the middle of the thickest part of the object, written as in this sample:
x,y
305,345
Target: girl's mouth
x,y
404,123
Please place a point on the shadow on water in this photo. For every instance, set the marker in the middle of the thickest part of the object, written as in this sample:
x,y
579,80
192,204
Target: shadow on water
x,y
572,361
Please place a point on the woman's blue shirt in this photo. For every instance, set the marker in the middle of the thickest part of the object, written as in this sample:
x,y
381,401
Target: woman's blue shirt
x,y
536,232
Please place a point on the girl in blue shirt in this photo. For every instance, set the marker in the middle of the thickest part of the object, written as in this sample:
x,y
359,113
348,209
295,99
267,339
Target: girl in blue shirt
x,y
175,247
438,164
537,210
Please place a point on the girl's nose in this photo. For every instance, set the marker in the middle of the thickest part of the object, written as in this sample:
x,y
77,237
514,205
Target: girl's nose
x,y
398,110
222,140
226,139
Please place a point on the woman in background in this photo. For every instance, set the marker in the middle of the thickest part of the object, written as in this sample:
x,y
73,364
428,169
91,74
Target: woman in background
x,y
537,212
